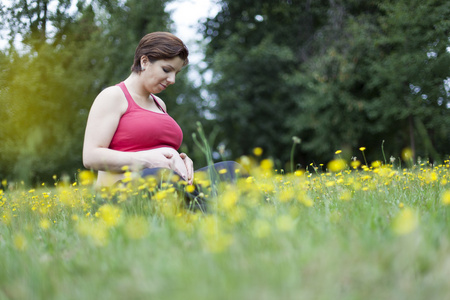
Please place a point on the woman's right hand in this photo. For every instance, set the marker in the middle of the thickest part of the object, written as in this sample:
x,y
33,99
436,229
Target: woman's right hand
x,y
163,158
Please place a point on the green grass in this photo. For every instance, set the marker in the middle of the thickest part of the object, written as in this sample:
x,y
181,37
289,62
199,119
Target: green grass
x,y
378,233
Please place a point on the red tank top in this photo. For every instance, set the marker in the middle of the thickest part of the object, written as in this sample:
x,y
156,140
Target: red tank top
x,y
141,129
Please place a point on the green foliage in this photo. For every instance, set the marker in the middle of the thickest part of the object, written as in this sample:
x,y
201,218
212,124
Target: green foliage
x,y
339,74
376,233
50,78
253,45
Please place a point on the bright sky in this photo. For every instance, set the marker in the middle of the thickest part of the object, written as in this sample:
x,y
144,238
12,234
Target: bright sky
x,y
187,14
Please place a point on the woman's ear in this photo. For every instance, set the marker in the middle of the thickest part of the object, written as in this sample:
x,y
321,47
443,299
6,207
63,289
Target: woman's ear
x,y
144,62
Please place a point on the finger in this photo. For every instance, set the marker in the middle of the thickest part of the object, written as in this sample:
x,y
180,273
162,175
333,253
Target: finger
x,y
168,155
179,171
190,170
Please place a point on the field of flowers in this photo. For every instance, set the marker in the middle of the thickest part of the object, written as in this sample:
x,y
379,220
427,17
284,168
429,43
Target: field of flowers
x,y
340,231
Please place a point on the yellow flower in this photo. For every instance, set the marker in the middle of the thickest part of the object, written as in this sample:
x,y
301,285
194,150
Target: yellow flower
x,y
433,176
190,188
86,177
136,228
299,173
99,234
407,154
338,152
267,164
362,148
405,221
20,242
286,195
446,197
110,214
376,164
258,151
161,195
229,199
305,200
219,243
261,228
97,231
346,196
355,164
44,224
285,223
336,165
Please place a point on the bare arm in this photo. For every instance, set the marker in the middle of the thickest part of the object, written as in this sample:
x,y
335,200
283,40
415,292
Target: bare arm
x,y
102,123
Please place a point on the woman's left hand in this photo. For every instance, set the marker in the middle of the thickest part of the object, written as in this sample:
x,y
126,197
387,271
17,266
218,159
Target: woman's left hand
x,y
189,166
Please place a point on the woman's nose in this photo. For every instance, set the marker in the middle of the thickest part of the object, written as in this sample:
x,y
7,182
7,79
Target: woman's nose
x,y
171,79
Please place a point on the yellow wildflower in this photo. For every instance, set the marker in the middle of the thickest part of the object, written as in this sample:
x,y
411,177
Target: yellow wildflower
x,y
355,164
376,164
267,164
229,199
285,223
336,165
446,197
405,221
346,196
20,241
160,195
258,151
223,171
190,188
44,224
407,154
261,228
136,228
299,173
86,177
110,214
286,195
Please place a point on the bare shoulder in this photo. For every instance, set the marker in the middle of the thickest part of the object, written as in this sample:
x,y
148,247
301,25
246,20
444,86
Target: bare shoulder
x,y
111,98
160,102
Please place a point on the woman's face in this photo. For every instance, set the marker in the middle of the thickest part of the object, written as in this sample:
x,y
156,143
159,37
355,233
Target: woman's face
x,y
161,73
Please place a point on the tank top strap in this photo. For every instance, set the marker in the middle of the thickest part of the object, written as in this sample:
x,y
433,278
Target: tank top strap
x,y
130,99
127,94
157,103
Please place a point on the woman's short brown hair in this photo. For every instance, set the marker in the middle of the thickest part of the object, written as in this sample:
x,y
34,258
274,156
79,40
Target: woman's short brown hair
x,y
159,45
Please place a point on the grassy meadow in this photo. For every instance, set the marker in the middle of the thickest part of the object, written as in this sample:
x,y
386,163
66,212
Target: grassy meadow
x,y
340,231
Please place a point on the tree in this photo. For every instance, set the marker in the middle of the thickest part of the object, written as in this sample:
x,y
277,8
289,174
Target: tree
x,y
253,46
382,80
48,84
338,74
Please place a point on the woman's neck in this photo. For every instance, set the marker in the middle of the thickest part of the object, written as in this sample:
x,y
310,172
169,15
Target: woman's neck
x,y
135,86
